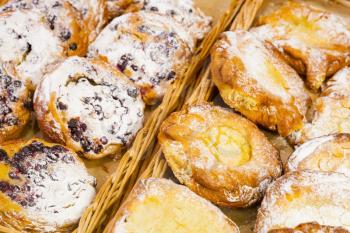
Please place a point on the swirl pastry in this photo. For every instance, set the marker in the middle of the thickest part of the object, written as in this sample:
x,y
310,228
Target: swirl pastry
x,y
219,155
253,78
305,197
159,205
150,49
316,43
44,187
309,228
90,107
28,45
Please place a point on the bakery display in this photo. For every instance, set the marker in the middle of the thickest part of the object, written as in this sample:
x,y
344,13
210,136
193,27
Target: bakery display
x,y
44,187
90,107
169,208
219,155
305,197
264,89
315,42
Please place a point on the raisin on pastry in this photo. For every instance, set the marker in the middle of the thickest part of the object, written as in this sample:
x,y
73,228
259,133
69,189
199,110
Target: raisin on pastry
x,y
150,49
219,155
90,107
254,79
44,187
160,205
315,42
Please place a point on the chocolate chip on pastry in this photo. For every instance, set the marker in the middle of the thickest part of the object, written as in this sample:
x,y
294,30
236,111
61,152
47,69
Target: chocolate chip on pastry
x,y
303,197
219,155
44,187
310,228
254,79
315,42
90,107
150,49
159,205
28,45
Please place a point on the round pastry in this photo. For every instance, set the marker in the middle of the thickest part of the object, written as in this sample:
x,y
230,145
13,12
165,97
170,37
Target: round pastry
x,y
183,11
44,187
305,197
254,79
327,153
151,49
219,155
309,228
15,104
159,205
90,107
28,44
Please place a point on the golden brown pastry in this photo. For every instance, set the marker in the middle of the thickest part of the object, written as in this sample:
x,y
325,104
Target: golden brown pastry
x,y
254,80
316,43
161,206
219,155
304,197
90,107
44,187
310,228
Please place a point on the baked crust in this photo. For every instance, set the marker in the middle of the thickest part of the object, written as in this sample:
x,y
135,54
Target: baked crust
x,y
310,228
303,197
219,155
159,205
264,89
316,43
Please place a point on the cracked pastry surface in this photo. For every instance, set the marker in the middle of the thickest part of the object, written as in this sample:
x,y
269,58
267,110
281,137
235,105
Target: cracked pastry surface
x,y
265,89
175,208
304,197
150,49
44,187
309,228
28,45
90,107
316,43
219,155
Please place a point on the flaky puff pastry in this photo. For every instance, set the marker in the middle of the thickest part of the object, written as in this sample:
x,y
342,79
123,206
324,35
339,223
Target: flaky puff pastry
x,y
310,228
161,206
316,43
219,155
254,79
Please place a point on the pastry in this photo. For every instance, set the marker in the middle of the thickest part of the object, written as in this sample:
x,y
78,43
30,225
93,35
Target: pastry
x,y
310,228
27,44
219,155
183,11
315,42
159,205
327,153
150,49
90,107
305,197
253,78
44,187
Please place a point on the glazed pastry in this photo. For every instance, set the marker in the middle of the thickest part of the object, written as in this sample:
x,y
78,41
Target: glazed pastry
x,y
27,44
328,153
15,104
330,113
159,205
219,155
182,11
151,49
316,43
90,107
310,228
44,187
304,197
254,80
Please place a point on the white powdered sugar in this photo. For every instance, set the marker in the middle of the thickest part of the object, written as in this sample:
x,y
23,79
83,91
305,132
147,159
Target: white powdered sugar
x,y
339,84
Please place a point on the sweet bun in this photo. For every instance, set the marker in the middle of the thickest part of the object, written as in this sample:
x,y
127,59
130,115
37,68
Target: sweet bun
x,y
90,107
310,228
159,205
44,187
306,197
150,49
265,89
219,155
327,153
